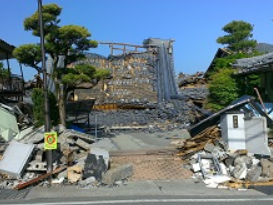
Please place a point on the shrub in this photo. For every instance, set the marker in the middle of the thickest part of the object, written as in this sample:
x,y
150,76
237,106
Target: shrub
x,y
223,89
38,107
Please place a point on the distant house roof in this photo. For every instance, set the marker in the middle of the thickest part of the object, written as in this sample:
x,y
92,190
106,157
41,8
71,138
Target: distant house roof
x,y
264,48
221,53
5,50
248,65
257,64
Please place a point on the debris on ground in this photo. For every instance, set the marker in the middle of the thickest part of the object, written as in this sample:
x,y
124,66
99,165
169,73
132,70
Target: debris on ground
x,y
230,149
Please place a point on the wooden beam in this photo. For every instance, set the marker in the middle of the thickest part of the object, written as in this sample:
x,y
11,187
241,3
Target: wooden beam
x,y
39,178
121,44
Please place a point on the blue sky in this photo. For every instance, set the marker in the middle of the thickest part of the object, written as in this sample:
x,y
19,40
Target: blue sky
x,y
194,24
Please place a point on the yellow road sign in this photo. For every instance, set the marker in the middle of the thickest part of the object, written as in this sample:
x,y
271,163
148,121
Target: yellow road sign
x,y
50,140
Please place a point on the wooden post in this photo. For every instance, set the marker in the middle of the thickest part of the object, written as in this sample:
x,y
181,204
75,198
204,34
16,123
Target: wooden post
x,y
124,48
111,46
9,78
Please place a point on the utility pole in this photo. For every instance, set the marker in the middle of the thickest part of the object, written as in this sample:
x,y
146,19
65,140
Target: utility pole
x,y
46,104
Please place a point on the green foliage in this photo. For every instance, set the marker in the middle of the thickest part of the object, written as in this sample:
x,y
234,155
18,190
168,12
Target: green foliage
x,y
247,84
38,108
226,62
50,20
29,54
223,89
69,41
85,68
244,85
102,74
239,37
4,73
83,73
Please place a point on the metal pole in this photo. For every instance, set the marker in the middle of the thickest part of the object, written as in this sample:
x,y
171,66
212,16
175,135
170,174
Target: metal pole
x,y
46,105
23,83
96,131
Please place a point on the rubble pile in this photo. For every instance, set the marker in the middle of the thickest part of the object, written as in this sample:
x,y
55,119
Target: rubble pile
x,y
143,77
163,116
195,80
193,86
212,162
142,90
74,162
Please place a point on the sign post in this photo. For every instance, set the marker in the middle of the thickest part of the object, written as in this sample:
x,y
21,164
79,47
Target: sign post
x,y
46,103
51,140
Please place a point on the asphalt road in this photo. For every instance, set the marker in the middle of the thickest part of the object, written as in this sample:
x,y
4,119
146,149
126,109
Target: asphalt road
x,y
151,200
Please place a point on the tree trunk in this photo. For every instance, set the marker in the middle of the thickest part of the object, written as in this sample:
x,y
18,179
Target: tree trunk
x,y
62,111
61,105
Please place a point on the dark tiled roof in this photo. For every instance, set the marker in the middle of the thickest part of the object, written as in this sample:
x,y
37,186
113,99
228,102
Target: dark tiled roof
x,y
255,64
5,50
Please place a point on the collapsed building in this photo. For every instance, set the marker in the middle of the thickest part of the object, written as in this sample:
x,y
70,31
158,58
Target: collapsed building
x,y
142,89
137,76
11,85
194,87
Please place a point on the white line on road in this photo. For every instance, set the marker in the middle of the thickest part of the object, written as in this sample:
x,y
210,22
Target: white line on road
x,y
150,201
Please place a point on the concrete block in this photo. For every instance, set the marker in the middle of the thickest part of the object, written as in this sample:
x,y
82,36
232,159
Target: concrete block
x,y
82,144
101,152
62,174
117,174
267,168
223,169
229,161
243,160
39,156
74,174
94,166
209,147
193,161
254,173
222,144
196,167
15,158
37,166
240,171
58,181
87,181
216,179
255,161
219,154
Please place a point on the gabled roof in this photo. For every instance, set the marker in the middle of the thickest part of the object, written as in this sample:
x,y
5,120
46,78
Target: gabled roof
x,y
220,53
6,50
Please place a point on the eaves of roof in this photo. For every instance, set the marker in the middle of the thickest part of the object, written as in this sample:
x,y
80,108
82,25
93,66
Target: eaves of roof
x,y
221,52
6,50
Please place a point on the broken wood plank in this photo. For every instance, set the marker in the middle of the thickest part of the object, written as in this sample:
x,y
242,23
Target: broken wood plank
x,y
39,178
194,150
